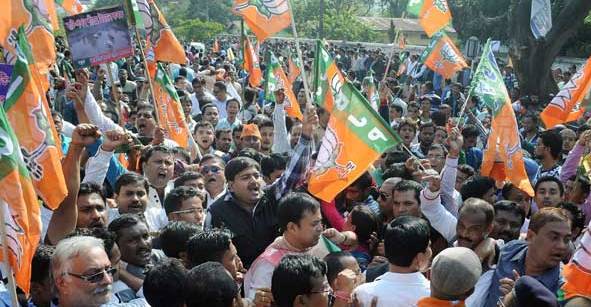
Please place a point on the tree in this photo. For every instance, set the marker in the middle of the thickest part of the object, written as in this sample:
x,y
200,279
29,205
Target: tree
x,y
197,30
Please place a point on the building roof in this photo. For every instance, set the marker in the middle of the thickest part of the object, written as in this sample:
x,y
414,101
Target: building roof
x,y
406,24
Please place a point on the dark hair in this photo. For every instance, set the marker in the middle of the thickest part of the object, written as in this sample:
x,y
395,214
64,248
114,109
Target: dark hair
x,y
131,178
476,187
512,207
208,105
364,181
237,165
150,150
174,198
123,222
219,132
186,176
578,220
175,236
478,205
470,131
262,121
183,152
208,246
273,162
145,106
252,154
209,285
220,85
208,157
550,179
548,215
334,262
427,125
203,124
436,147
293,206
407,122
553,140
41,263
164,284
466,169
232,100
365,223
87,188
404,238
293,277
409,185
439,118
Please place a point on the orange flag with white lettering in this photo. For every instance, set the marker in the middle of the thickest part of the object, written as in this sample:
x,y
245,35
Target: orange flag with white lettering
x,y
443,57
570,103
434,15
264,17
169,110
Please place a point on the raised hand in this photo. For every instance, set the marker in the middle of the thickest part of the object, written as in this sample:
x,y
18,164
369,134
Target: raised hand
x,y
85,134
310,121
454,141
115,138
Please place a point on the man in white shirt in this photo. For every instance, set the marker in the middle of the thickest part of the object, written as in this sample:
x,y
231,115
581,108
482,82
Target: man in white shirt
x,y
220,98
200,96
408,250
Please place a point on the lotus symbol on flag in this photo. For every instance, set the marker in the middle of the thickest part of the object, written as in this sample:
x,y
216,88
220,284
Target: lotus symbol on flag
x,y
440,5
267,8
448,54
330,149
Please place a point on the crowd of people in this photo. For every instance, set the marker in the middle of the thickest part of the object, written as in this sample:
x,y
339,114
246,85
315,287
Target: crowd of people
x,y
148,223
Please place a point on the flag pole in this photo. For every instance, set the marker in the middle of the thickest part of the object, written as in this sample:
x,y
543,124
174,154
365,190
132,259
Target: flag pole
x,y
7,268
396,36
115,95
463,110
300,57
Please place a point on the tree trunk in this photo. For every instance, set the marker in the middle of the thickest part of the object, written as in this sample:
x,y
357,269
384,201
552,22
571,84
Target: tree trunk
x,y
533,59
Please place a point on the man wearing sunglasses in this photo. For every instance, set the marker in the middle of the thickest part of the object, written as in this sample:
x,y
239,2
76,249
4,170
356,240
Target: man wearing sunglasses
x,y
81,272
212,169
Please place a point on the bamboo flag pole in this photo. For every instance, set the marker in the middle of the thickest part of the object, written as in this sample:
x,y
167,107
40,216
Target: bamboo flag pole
x,y
300,56
11,286
396,36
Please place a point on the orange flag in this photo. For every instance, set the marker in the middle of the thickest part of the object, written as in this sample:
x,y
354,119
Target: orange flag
x,y
402,41
40,144
165,44
170,112
443,57
434,15
216,46
251,64
31,14
276,80
20,208
264,18
294,70
502,158
73,7
570,103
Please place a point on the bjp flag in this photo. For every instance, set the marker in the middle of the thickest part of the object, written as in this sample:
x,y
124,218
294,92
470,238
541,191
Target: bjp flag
x,y
276,80
443,57
294,69
570,103
165,44
355,137
503,158
264,18
326,73
251,64
72,7
216,46
34,16
169,109
20,208
39,143
434,15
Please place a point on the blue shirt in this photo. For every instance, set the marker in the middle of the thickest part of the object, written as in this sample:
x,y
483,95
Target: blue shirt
x,y
474,157
513,258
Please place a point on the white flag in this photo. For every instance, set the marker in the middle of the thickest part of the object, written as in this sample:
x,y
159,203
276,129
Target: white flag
x,y
541,18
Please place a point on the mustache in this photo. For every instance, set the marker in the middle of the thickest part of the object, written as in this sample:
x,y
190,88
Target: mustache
x,y
102,290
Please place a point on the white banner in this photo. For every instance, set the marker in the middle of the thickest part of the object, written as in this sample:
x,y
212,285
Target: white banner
x,y
541,18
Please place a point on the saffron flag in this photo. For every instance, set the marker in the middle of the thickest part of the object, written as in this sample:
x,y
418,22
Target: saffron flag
x,y
251,63
51,14
355,137
169,110
22,215
264,17
503,158
402,41
72,7
34,16
276,80
294,69
434,15
443,57
570,103
371,92
216,46
166,47
326,73
40,145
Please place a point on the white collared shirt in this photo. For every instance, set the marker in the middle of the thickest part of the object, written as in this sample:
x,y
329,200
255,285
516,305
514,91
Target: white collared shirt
x,y
394,289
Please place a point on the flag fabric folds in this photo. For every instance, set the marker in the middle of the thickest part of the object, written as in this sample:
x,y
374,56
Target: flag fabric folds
x,y
355,137
503,157
326,73
434,15
169,110
275,80
22,212
165,44
264,17
216,46
33,15
570,103
72,7
40,146
294,69
541,18
443,57
371,90
252,64
135,17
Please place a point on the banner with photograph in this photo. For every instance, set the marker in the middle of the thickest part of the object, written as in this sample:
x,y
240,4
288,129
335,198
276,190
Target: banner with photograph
x,y
99,36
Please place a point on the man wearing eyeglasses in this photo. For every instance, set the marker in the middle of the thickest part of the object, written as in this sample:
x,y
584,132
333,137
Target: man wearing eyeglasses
x,y
185,204
81,272
212,169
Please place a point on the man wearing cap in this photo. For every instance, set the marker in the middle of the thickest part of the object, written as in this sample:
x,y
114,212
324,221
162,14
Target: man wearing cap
x,y
454,272
249,208
251,137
